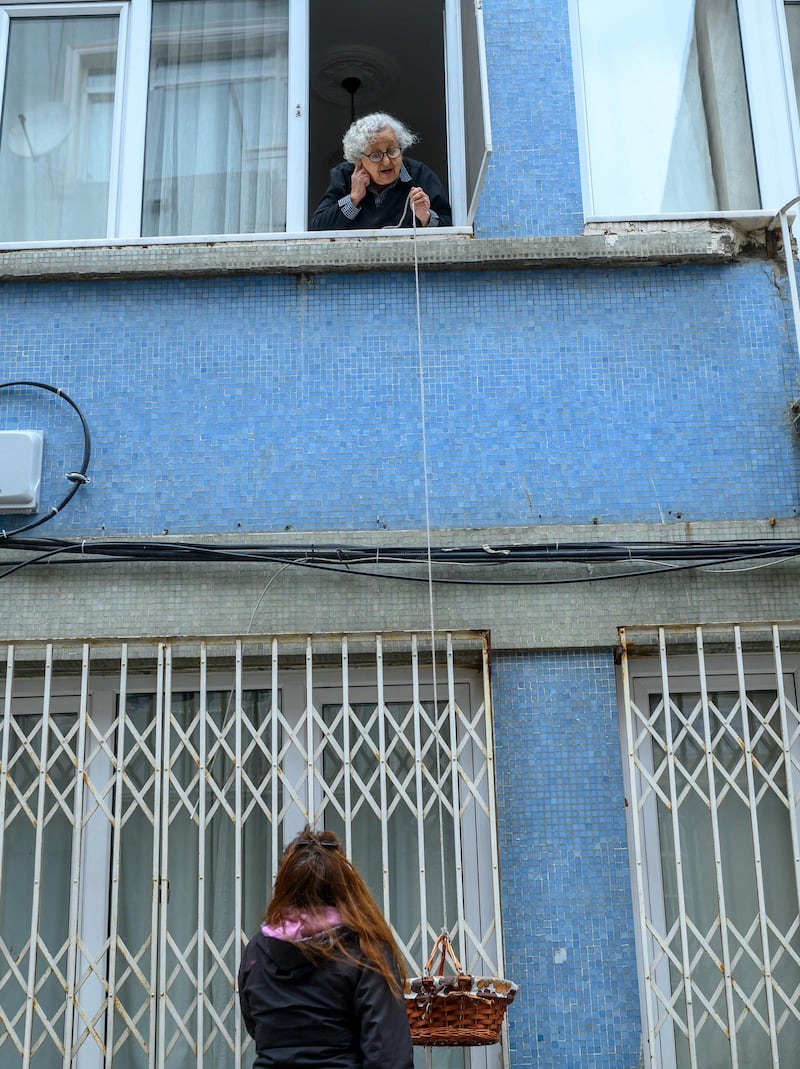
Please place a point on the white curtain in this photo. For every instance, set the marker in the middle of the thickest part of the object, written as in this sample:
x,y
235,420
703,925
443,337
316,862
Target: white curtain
x,y
18,866
738,881
163,833
665,97
216,927
215,153
405,908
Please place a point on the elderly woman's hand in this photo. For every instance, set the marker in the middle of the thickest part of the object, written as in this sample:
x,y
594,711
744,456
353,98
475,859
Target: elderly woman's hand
x,y
421,204
358,183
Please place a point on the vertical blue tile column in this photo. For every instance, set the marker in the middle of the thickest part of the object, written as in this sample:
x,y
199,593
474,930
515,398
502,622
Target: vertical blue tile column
x,y
567,904
533,184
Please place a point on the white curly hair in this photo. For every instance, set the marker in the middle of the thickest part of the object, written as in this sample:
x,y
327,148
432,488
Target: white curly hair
x,y
363,132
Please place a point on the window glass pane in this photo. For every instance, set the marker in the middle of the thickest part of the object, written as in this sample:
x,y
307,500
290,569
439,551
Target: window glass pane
x,y
402,830
187,846
666,107
136,848
477,128
696,869
793,28
215,153
21,848
365,825
55,129
169,806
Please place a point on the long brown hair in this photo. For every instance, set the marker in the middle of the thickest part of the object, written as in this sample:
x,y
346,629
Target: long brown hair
x,y
314,875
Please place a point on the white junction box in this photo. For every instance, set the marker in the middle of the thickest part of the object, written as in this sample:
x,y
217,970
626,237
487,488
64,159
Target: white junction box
x,y
20,470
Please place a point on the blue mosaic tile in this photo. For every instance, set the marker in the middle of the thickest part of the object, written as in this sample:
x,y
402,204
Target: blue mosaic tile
x,y
563,396
533,183
565,879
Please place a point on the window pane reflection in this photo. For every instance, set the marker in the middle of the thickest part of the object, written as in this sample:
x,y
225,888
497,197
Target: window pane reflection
x,y
793,29
666,107
693,874
215,153
56,127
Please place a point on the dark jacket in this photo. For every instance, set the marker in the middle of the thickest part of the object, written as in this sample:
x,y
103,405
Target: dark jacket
x,y
329,1013
378,211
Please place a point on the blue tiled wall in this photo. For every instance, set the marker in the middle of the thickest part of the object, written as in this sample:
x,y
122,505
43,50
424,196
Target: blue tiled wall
x,y
552,397
533,183
261,403
565,876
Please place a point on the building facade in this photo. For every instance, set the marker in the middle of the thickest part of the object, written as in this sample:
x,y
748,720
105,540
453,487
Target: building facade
x,y
476,546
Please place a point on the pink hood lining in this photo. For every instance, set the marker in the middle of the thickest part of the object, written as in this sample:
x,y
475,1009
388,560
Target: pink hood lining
x,y
298,926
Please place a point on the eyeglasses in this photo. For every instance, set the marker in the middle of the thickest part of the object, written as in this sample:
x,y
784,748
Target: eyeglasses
x,y
376,157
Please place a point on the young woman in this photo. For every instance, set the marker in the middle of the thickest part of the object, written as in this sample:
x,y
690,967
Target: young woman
x,y
321,983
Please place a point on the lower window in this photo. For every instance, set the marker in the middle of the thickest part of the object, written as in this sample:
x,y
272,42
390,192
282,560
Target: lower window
x,y
713,745
147,792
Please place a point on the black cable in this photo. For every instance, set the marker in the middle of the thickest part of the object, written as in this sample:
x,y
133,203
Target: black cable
x,y
77,478
35,560
485,556
352,560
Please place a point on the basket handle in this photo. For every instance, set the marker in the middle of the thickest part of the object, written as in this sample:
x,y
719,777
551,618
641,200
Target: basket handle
x,y
444,945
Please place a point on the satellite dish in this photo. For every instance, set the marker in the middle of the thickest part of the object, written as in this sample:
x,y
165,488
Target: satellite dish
x,y
40,130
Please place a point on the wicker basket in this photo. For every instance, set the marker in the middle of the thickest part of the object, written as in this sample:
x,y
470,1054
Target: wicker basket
x,y
455,1011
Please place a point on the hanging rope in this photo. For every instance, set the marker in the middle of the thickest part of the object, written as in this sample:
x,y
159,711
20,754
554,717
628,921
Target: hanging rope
x,y
457,1014
421,369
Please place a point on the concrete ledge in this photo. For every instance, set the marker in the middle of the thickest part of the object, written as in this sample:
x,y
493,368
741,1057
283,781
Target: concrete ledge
x,y
719,243
135,599
783,529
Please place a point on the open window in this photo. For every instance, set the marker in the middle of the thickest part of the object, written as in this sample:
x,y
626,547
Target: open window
x,y
180,118
434,81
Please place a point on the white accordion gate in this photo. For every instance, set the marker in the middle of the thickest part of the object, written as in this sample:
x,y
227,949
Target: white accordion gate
x,y
147,791
712,735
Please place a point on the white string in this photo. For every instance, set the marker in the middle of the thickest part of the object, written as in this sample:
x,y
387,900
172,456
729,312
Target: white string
x,y
399,223
421,365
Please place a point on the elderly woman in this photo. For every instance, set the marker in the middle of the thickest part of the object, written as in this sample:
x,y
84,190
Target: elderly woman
x,y
377,186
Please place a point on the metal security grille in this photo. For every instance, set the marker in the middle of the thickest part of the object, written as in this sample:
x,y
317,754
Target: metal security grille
x,y
712,733
147,791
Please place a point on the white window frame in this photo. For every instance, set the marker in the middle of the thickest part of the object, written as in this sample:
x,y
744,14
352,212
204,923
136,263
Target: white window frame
x,y
739,667
773,112
467,102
